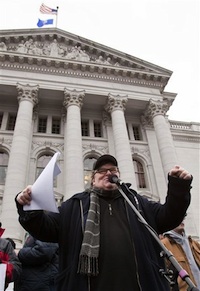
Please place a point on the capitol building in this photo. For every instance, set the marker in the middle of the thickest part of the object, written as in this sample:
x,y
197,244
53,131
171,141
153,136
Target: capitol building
x,y
60,92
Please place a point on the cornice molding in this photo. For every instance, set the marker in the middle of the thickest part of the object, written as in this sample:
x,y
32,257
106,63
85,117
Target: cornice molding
x,y
77,69
186,138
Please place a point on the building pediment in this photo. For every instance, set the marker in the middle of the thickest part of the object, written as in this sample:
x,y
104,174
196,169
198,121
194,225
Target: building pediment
x,y
53,47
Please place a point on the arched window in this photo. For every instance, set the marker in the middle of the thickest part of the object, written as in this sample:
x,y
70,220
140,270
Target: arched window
x,y
88,167
3,166
139,174
41,164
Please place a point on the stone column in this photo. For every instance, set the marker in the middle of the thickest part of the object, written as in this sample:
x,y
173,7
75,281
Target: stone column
x,y
155,113
158,178
109,132
116,107
18,166
73,161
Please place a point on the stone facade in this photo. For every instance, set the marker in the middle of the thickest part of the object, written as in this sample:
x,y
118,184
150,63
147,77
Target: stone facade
x,y
60,92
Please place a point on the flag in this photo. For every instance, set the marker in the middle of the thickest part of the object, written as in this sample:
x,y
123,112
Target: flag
x,y
47,10
44,22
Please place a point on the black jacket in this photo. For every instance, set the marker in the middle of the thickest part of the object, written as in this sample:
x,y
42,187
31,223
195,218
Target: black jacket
x,y
66,228
39,266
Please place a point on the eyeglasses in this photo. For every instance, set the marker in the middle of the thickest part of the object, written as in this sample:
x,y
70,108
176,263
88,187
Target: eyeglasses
x,y
104,171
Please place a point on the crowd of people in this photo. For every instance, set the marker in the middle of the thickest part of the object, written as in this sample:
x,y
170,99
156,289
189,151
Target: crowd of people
x,y
97,242
34,267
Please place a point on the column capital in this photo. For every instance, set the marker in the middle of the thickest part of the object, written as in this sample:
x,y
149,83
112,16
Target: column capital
x,y
73,97
155,107
27,92
116,102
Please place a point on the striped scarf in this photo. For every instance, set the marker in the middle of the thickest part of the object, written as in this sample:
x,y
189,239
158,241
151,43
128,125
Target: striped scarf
x,y
88,259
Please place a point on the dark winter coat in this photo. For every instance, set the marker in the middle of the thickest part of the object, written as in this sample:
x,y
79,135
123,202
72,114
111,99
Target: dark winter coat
x,y
39,266
66,228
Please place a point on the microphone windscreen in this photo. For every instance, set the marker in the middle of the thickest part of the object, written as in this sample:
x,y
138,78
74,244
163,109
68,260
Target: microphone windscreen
x,y
113,179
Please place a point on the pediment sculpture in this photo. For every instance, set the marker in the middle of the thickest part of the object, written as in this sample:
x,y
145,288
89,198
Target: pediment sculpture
x,y
55,49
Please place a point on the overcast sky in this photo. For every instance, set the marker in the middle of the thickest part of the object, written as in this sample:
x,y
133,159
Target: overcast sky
x,y
163,32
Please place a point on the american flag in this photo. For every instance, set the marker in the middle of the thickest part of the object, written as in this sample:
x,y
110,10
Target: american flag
x,y
47,10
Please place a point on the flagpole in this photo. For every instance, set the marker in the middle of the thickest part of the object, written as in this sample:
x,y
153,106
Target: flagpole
x,y
57,16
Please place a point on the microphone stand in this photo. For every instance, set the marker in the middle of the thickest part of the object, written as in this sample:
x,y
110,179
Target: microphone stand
x,y
165,253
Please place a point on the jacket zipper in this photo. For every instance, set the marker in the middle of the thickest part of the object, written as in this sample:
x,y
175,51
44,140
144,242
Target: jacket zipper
x,y
110,208
138,278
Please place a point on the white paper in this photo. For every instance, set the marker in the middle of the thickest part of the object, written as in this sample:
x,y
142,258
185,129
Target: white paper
x,y
42,190
2,276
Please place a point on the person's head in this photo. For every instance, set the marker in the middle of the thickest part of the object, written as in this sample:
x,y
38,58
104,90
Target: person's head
x,y
105,166
180,229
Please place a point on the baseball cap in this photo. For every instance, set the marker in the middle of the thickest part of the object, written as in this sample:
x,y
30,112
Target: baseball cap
x,y
105,159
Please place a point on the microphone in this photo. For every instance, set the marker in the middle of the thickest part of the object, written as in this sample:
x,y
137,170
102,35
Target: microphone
x,y
115,180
